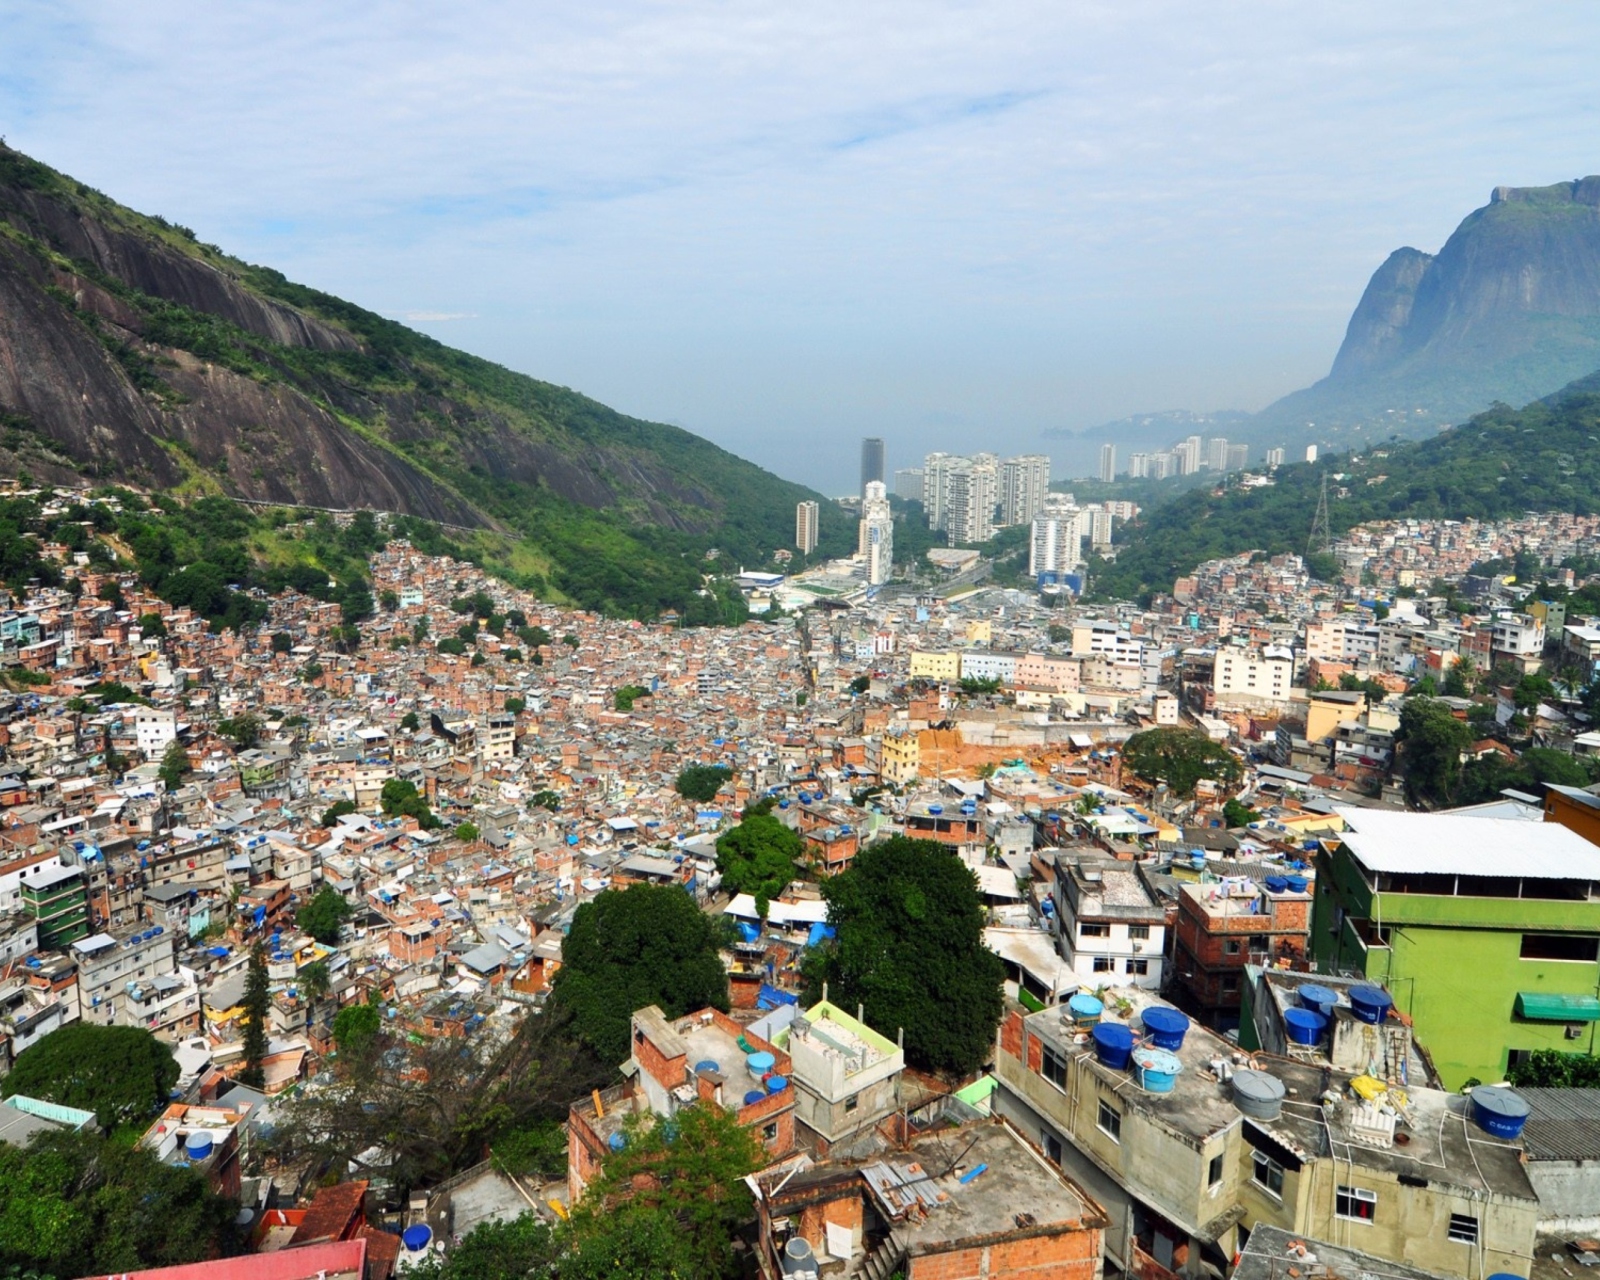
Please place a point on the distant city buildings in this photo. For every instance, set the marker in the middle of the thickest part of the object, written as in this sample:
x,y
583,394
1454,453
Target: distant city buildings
x,y
1275,457
908,484
1311,453
1108,462
876,541
871,462
806,519
960,495
1024,483
1055,546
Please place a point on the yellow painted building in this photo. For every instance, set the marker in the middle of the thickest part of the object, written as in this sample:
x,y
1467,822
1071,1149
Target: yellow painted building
x,y
902,758
934,665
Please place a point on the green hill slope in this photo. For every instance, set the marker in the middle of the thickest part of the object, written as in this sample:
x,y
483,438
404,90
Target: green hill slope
x,y
1545,457
129,351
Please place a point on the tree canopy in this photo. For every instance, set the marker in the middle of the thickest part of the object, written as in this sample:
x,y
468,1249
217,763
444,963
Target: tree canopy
x,y
702,781
123,1074
322,916
628,948
910,949
1179,758
758,856
1432,741
79,1204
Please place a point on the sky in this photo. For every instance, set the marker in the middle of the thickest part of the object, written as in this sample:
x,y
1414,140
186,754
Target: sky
x,y
787,226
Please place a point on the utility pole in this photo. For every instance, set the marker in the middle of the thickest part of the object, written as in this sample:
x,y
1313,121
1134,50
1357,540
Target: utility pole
x,y
1321,538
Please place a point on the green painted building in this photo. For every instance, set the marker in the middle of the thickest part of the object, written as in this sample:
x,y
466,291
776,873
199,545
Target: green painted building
x,y
1485,930
56,898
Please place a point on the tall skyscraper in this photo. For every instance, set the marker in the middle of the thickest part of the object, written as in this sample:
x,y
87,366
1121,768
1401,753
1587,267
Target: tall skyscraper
x,y
1056,545
1163,465
871,462
1217,453
807,516
972,489
1275,457
1024,482
934,484
1311,453
1138,466
1238,457
876,541
1100,530
1189,456
1108,462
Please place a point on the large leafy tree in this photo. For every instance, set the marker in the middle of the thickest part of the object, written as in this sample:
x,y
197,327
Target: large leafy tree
x,y
74,1204
643,945
758,856
123,1074
322,916
910,949
257,998
1179,758
702,781
1432,740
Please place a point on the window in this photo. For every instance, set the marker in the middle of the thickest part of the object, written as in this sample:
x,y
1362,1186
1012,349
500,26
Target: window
x,y
1267,1173
1094,931
1110,1121
1053,1067
1559,946
770,1133
1105,964
1463,1228
1230,986
1139,967
1231,947
851,1103
1052,1146
1139,932
1355,1203
1259,942
1214,1172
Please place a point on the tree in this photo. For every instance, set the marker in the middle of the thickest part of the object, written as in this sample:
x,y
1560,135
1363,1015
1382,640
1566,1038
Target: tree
x,y
515,705
1432,740
322,916
701,782
282,642
335,811
1237,814
1552,1069
122,1074
355,1028
244,731
467,832
389,599
257,999
624,698
76,1204
1460,680
545,799
400,799
643,945
758,857
174,764
1531,690
315,981
910,949
860,684
409,722
151,627
1180,759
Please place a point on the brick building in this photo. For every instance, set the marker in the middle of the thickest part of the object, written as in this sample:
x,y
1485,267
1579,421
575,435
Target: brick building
x,y
1224,926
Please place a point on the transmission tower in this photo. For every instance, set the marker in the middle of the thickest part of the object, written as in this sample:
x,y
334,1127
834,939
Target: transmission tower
x,y
1321,538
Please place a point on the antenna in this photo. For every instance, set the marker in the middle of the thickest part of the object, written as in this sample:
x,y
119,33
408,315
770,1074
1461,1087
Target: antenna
x,y
1321,538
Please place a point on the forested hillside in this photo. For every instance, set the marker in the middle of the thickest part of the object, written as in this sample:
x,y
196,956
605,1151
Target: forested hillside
x,y
1544,457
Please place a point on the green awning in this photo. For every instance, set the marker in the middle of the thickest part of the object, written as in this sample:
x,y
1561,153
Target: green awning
x,y
1543,1007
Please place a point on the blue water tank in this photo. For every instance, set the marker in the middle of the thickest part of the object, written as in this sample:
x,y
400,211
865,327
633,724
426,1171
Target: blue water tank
x,y
197,1146
1276,884
419,1237
617,1141
707,1064
759,1064
1085,1008
1370,1004
1499,1111
777,1084
936,809
1297,884
755,1095
1166,1027
1113,1042
1305,1026
1156,1070
1317,999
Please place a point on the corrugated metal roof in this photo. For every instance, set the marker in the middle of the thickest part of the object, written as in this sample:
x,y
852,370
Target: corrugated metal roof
x,y
1563,1124
1442,844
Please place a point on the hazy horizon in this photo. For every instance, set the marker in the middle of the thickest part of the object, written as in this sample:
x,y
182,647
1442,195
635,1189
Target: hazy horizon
x,y
954,226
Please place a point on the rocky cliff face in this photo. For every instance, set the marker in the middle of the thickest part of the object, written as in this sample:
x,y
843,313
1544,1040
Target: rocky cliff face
x,y
1508,309
129,351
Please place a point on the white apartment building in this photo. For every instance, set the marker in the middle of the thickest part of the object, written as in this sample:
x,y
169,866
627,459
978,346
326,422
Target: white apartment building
x,y
989,664
908,484
1266,675
875,543
1138,466
1335,641
1217,453
154,731
1517,636
1024,482
1056,545
807,517
117,976
1108,462
1100,522
1113,931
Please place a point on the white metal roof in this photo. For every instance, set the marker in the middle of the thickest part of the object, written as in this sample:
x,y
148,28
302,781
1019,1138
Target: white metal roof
x,y
1446,844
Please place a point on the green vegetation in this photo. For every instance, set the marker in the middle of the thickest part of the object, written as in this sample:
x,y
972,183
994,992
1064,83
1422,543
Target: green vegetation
x,y
1431,741
400,799
1235,814
701,782
355,1029
625,697
1499,464
467,832
759,856
122,1074
322,916
79,1204
1552,1069
910,949
335,811
643,945
174,765
257,1006
974,686
1180,759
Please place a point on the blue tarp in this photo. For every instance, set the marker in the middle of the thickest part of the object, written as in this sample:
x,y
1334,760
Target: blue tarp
x,y
748,931
819,932
769,997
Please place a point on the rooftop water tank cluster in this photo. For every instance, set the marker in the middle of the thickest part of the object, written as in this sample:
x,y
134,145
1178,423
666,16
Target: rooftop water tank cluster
x,y
1370,1004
